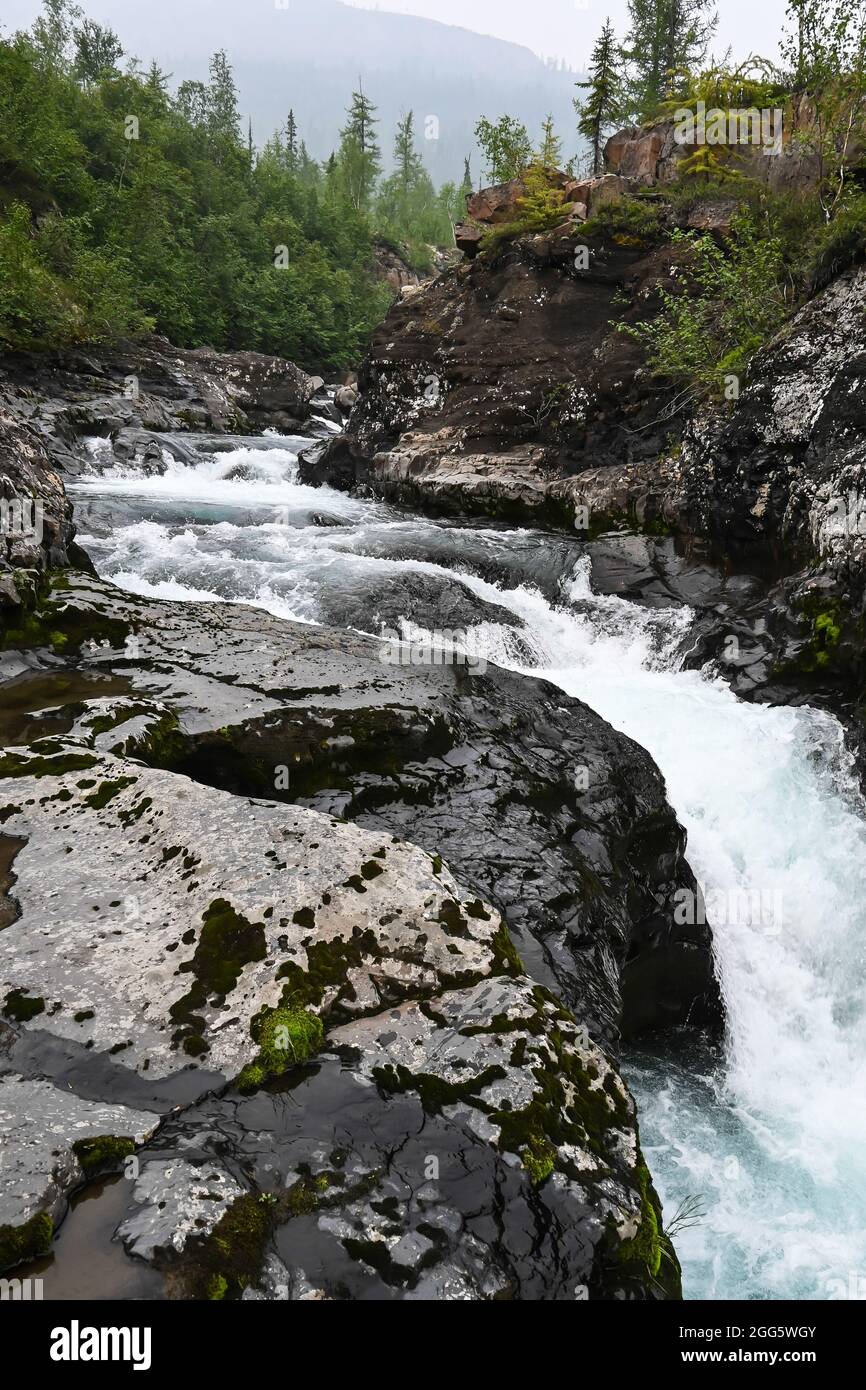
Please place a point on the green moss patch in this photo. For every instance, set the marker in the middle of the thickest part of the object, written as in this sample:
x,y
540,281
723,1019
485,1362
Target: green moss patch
x,y
285,1037
328,963
107,791
21,1006
230,1259
227,943
505,954
27,1242
48,764
102,1152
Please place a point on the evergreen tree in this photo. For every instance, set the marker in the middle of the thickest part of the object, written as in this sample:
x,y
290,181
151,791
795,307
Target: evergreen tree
x,y
604,106
292,141
157,80
665,36
467,187
223,114
550,152
360,157
408,208
408,163
687,33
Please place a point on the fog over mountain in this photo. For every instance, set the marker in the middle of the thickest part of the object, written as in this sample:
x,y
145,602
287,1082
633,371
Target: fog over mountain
x,y
310,54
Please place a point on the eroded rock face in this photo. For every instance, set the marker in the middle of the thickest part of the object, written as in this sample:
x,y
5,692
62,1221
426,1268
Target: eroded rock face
x,y
36,531
783,461
152,385
785,156
444,1126
390,265
502,383
784,472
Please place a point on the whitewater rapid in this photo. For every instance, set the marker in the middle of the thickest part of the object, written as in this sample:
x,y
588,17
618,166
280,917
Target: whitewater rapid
x,y
770,1139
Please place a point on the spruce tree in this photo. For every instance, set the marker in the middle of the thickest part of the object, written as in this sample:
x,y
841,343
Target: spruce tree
x,y
157,80
550,152
665,36
604,106
292,142
360,157
223,113
407,161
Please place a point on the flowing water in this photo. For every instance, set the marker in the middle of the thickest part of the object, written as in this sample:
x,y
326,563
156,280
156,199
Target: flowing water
x,y
770,1139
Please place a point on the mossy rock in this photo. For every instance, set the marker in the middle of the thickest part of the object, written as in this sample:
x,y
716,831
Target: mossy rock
x,y
21,1007
27,1242
286,1038
102,1152
229,1260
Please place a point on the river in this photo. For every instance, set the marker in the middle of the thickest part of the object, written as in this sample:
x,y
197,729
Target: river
x,y
767,1139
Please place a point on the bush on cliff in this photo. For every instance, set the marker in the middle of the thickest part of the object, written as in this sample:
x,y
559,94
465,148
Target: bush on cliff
x,y
733,300
540,207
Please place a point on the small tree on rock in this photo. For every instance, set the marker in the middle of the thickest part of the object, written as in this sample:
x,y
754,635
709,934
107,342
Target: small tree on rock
x,y
604,107
506,147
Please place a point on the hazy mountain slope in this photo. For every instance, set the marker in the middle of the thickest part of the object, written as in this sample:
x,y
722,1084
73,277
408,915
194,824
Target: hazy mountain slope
x,y
310,55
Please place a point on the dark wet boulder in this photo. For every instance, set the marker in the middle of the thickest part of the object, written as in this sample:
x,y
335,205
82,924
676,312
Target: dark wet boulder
x,y
359,1090
535,801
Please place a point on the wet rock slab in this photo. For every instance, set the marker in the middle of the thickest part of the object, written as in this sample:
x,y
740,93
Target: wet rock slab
x,y
534,800
394,1102
40,1127
446,1083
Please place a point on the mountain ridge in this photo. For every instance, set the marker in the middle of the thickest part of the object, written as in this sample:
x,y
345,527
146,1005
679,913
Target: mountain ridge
x,y
404,61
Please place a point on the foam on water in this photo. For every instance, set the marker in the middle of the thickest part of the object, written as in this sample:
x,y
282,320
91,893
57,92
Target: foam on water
x,y
772,1139
245,477
774,1142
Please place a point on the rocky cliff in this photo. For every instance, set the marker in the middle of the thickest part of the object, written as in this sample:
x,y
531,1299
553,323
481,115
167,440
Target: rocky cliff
x,y
508,388
494,388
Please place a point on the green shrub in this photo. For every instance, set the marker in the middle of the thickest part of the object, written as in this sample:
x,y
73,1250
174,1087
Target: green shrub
x,y
627,221
734,301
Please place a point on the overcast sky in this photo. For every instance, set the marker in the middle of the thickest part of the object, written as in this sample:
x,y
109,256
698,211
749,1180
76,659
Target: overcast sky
x,y
557,28
567,28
